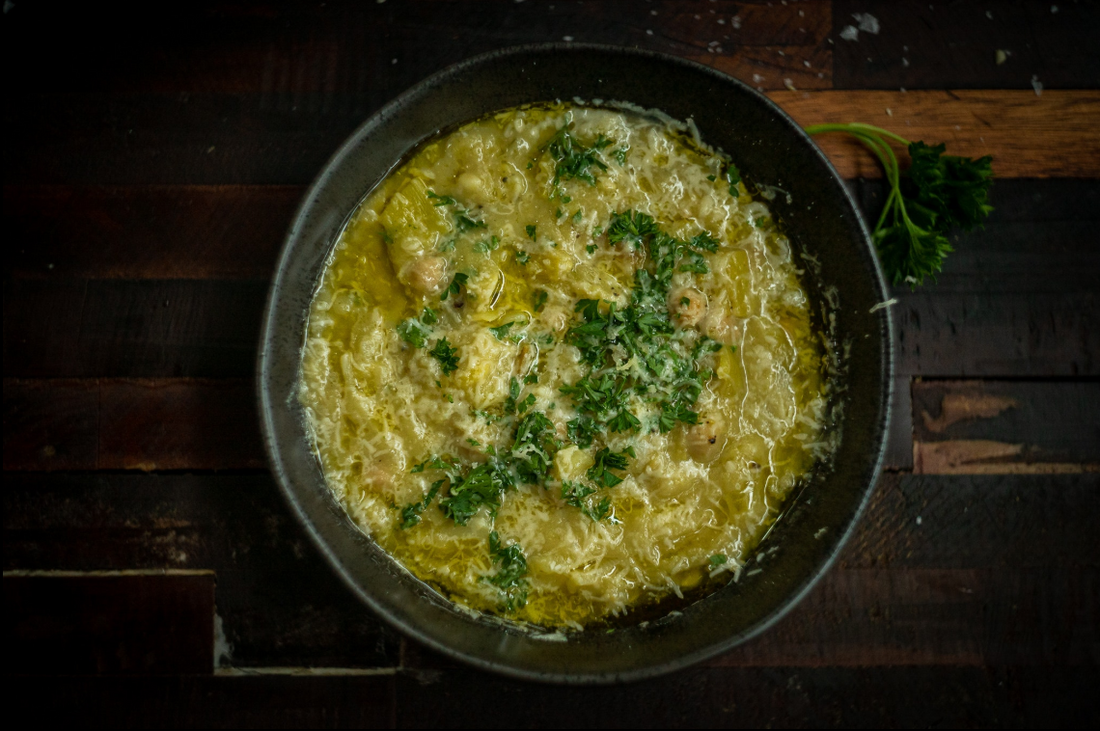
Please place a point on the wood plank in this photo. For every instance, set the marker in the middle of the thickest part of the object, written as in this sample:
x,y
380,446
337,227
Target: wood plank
x,y
146,232
126,424
774,697
278,601
263,701
169,328
996,522
289,50
976,557
999,427
61,623
233,139
953,45
1029,136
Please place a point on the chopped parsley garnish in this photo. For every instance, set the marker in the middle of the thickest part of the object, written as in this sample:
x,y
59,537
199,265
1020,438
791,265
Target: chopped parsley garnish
x,y
510,577
534,447
606,460
501,332
442,200
937,194
456,285
446,355
574,160
620,155
638,352
540,299
522,257
490,244
410,514
575,494
464,220
416,332
591,248
578,216
482,486
530,228
733,177
717,560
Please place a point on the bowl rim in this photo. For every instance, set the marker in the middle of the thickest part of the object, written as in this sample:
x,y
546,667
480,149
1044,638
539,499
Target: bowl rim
x,y
268,334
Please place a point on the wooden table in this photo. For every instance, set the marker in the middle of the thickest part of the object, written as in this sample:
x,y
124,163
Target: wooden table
x,y
152,573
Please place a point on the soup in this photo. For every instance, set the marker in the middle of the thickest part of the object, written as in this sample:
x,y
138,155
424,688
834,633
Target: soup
x,y
560,364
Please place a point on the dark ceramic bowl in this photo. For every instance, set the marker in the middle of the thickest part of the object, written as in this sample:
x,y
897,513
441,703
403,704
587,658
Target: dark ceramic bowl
x,y
821,220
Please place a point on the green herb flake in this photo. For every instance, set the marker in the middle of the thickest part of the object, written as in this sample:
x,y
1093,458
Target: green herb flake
x,y
733,177
456,285
509,578
540,299
522,257
501,332
446,355
410,514
573,160
717,560
530,228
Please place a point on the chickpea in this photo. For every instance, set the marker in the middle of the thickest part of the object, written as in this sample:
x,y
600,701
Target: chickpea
x,y
472,187
377,478
687,306
722,326
427,274
705,440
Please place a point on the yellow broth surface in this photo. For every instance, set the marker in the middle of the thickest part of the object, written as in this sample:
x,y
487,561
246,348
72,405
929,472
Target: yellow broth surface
x,y
560,364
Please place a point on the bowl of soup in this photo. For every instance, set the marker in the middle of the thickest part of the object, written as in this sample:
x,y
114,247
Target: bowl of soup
x,y
571,366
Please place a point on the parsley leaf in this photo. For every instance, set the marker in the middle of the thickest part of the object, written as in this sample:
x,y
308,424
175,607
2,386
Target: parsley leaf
x,y
522,257
410,514
456,285
717,560
446,355
574,160
939,193
530,228
501,332
574,493
606,460
540,299
416,332
510,577
484,247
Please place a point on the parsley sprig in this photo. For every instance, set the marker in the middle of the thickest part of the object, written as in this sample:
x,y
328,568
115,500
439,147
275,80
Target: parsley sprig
x,y
937,194
573,160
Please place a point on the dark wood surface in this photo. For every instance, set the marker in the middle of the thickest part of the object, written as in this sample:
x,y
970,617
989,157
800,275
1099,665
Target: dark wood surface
x,y
152,161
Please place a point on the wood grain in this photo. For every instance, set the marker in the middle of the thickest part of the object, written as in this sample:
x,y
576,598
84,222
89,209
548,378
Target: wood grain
x,y
127,424
148,328
773,697
152,624
290,51
279,601
266,701
985,427
233,139
1029,136
146,232
953,45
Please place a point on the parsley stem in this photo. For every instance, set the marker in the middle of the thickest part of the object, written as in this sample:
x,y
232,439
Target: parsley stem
x,y
856,128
